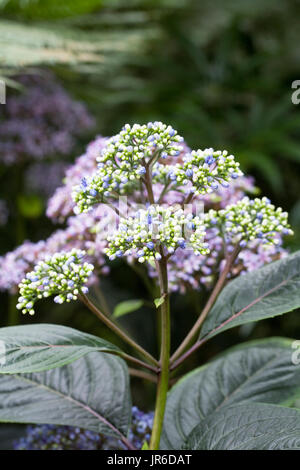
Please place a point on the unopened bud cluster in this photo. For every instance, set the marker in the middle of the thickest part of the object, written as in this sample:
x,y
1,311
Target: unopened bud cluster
x,y
157,230
63,275
123,161
203,171
248,220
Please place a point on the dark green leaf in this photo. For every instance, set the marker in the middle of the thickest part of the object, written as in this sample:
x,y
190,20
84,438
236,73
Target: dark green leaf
x,y
34,348
267,292
92,393
258,371
251,426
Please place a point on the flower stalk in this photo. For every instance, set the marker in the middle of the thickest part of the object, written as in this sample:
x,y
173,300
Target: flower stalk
x,y
108,322
163,376
213,297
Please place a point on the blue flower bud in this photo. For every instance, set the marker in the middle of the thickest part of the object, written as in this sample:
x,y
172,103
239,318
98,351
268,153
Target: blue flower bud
x,y
209,159
84,183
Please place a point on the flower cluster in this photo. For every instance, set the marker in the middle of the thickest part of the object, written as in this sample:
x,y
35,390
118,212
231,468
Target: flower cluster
x,y
187,271
124,161
43,121
222,197
63,275
89,231
154,229
86,232
52,437
248,220
201,171
141,427
61,204
15,264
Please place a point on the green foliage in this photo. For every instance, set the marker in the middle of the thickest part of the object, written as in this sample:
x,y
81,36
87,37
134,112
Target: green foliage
x,y
127,306
23,45
219,72
251,426
264,293
159,301
39,347
30,206
48,9
246,373
91,393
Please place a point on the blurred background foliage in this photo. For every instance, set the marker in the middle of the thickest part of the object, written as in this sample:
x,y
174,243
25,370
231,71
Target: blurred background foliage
x,y
220,72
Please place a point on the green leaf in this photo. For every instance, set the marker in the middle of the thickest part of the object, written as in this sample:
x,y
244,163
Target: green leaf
x,y
267,292
30,206
127,306
251,426
257,371
34,348
92,393
159,301
145,446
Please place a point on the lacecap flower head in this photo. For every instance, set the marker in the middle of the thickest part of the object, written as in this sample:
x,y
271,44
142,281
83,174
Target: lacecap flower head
x,y
63,275
249,220
157,230
201,171
123,161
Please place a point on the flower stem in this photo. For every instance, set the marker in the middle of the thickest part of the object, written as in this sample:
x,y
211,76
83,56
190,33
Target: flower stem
x,y
213,297
136,361
142,375
108,322
163,376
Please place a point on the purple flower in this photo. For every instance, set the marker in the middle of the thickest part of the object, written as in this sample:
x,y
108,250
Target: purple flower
x,y
44,121
53,437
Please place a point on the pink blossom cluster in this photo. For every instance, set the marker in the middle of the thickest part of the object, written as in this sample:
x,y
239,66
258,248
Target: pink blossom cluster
x,y
84,232
89,232
185,270
61,204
